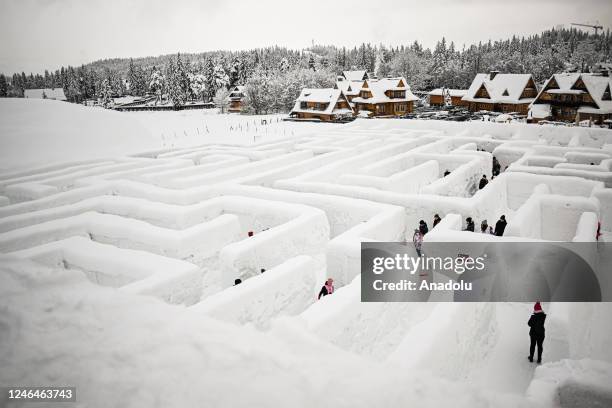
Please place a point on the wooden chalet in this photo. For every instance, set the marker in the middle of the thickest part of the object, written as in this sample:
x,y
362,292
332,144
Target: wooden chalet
x,y
384,97
236,96
326,104
574,97
501,92
438,97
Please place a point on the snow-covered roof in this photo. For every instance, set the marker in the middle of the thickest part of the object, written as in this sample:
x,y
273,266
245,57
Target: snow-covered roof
x,y
451,92
236,91
596,85
327,96
50,93
349,87
378,87
503,88
355,75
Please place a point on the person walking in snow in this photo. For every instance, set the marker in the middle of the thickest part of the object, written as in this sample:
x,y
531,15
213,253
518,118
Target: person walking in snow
x,y
496,166
423,227
483,182
500,226
470,224
327,289
437,219
417,239
536,331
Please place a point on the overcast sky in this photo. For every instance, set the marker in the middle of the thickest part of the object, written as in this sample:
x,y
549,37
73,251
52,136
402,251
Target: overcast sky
x,y
39,34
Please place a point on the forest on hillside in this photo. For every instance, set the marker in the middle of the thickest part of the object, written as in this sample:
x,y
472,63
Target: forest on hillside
x,y
274,76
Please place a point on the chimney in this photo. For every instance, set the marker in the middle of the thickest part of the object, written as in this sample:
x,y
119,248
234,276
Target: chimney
x,y
492,74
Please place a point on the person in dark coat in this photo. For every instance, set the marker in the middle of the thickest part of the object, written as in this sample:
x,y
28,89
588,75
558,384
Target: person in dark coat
x,y
483,182
437,219
496,166
470,224
500,226
327,289
423,227
536,331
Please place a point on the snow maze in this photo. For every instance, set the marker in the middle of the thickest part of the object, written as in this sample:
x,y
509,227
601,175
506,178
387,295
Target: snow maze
x,y
181,225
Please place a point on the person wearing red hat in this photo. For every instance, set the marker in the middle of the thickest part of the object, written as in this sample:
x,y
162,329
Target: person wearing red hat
x,y
536,331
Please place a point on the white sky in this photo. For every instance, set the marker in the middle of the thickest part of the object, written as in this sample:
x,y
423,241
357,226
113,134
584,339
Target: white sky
x,y
39,34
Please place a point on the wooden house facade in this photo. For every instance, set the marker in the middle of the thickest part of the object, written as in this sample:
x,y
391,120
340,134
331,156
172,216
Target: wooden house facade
x,y
438,97
501,93
384,97
573,97
236,96
325,105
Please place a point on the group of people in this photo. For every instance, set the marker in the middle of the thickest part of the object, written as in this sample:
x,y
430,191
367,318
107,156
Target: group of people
x,y
485,228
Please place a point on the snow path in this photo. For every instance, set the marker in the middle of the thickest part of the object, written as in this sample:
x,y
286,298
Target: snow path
x,y
471,342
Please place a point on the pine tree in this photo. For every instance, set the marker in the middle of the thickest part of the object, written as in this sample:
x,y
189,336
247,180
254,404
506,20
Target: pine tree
x,y
234,75
132,78
105,92
3,86
178,82
209,74
220,78
157,84
311,62
197,86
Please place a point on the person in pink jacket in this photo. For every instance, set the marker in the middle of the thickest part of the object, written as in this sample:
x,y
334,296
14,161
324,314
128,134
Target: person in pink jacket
x,y
327,289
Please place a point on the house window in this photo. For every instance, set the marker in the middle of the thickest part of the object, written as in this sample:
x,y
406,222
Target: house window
x,y
380,108
400,107
303,105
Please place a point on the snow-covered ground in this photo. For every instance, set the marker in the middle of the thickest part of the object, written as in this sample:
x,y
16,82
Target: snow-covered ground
x,y
117,270
43,131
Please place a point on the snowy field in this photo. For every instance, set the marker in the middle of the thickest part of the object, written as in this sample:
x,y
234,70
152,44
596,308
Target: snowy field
x,y
53,131
118,263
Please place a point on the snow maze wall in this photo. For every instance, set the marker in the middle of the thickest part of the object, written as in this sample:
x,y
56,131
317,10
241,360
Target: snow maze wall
x,y
183,224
